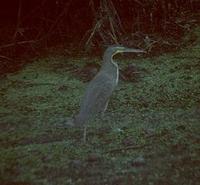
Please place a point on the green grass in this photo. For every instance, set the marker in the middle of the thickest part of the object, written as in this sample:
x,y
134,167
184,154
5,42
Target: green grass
x,y
149,135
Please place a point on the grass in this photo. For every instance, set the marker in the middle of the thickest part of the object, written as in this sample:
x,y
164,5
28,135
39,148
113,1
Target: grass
x,y
149,135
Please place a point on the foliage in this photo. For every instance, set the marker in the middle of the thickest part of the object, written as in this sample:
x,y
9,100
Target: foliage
x,y
91,24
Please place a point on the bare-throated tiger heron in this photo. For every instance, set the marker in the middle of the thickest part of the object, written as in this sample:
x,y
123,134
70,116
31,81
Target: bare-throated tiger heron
x,y
101,87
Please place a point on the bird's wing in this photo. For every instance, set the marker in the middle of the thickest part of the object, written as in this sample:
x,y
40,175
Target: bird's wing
x,y
97,94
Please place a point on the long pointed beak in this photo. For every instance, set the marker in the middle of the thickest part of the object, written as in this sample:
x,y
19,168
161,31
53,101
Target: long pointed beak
x,y
134,50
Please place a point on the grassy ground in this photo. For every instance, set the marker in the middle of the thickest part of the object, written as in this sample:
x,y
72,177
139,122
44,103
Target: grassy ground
x,y
150,133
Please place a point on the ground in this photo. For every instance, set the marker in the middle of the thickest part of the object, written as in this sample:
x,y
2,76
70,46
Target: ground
x,y
149,135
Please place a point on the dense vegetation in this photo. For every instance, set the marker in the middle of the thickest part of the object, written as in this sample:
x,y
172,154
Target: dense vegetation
x,y
28,28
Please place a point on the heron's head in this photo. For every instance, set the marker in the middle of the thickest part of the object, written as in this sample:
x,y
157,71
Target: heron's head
x,y
113,50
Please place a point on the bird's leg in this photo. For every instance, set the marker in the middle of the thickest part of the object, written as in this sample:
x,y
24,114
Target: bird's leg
x,y
84,134
104,110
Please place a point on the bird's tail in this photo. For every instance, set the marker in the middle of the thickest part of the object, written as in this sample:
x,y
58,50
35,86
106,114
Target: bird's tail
x,y
80,120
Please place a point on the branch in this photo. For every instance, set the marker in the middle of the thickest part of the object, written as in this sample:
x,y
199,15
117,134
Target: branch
x,y
5,57
17,43
96,27
18,20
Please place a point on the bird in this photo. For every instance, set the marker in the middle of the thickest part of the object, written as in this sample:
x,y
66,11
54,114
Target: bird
x,y
99,90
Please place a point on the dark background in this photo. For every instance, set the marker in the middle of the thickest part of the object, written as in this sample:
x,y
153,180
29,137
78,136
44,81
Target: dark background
x,y
30,28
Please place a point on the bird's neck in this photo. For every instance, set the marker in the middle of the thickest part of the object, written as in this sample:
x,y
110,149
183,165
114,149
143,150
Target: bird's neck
x,y
108,63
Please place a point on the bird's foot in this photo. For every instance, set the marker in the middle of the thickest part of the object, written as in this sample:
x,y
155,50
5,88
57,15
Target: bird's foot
x,y
65,123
